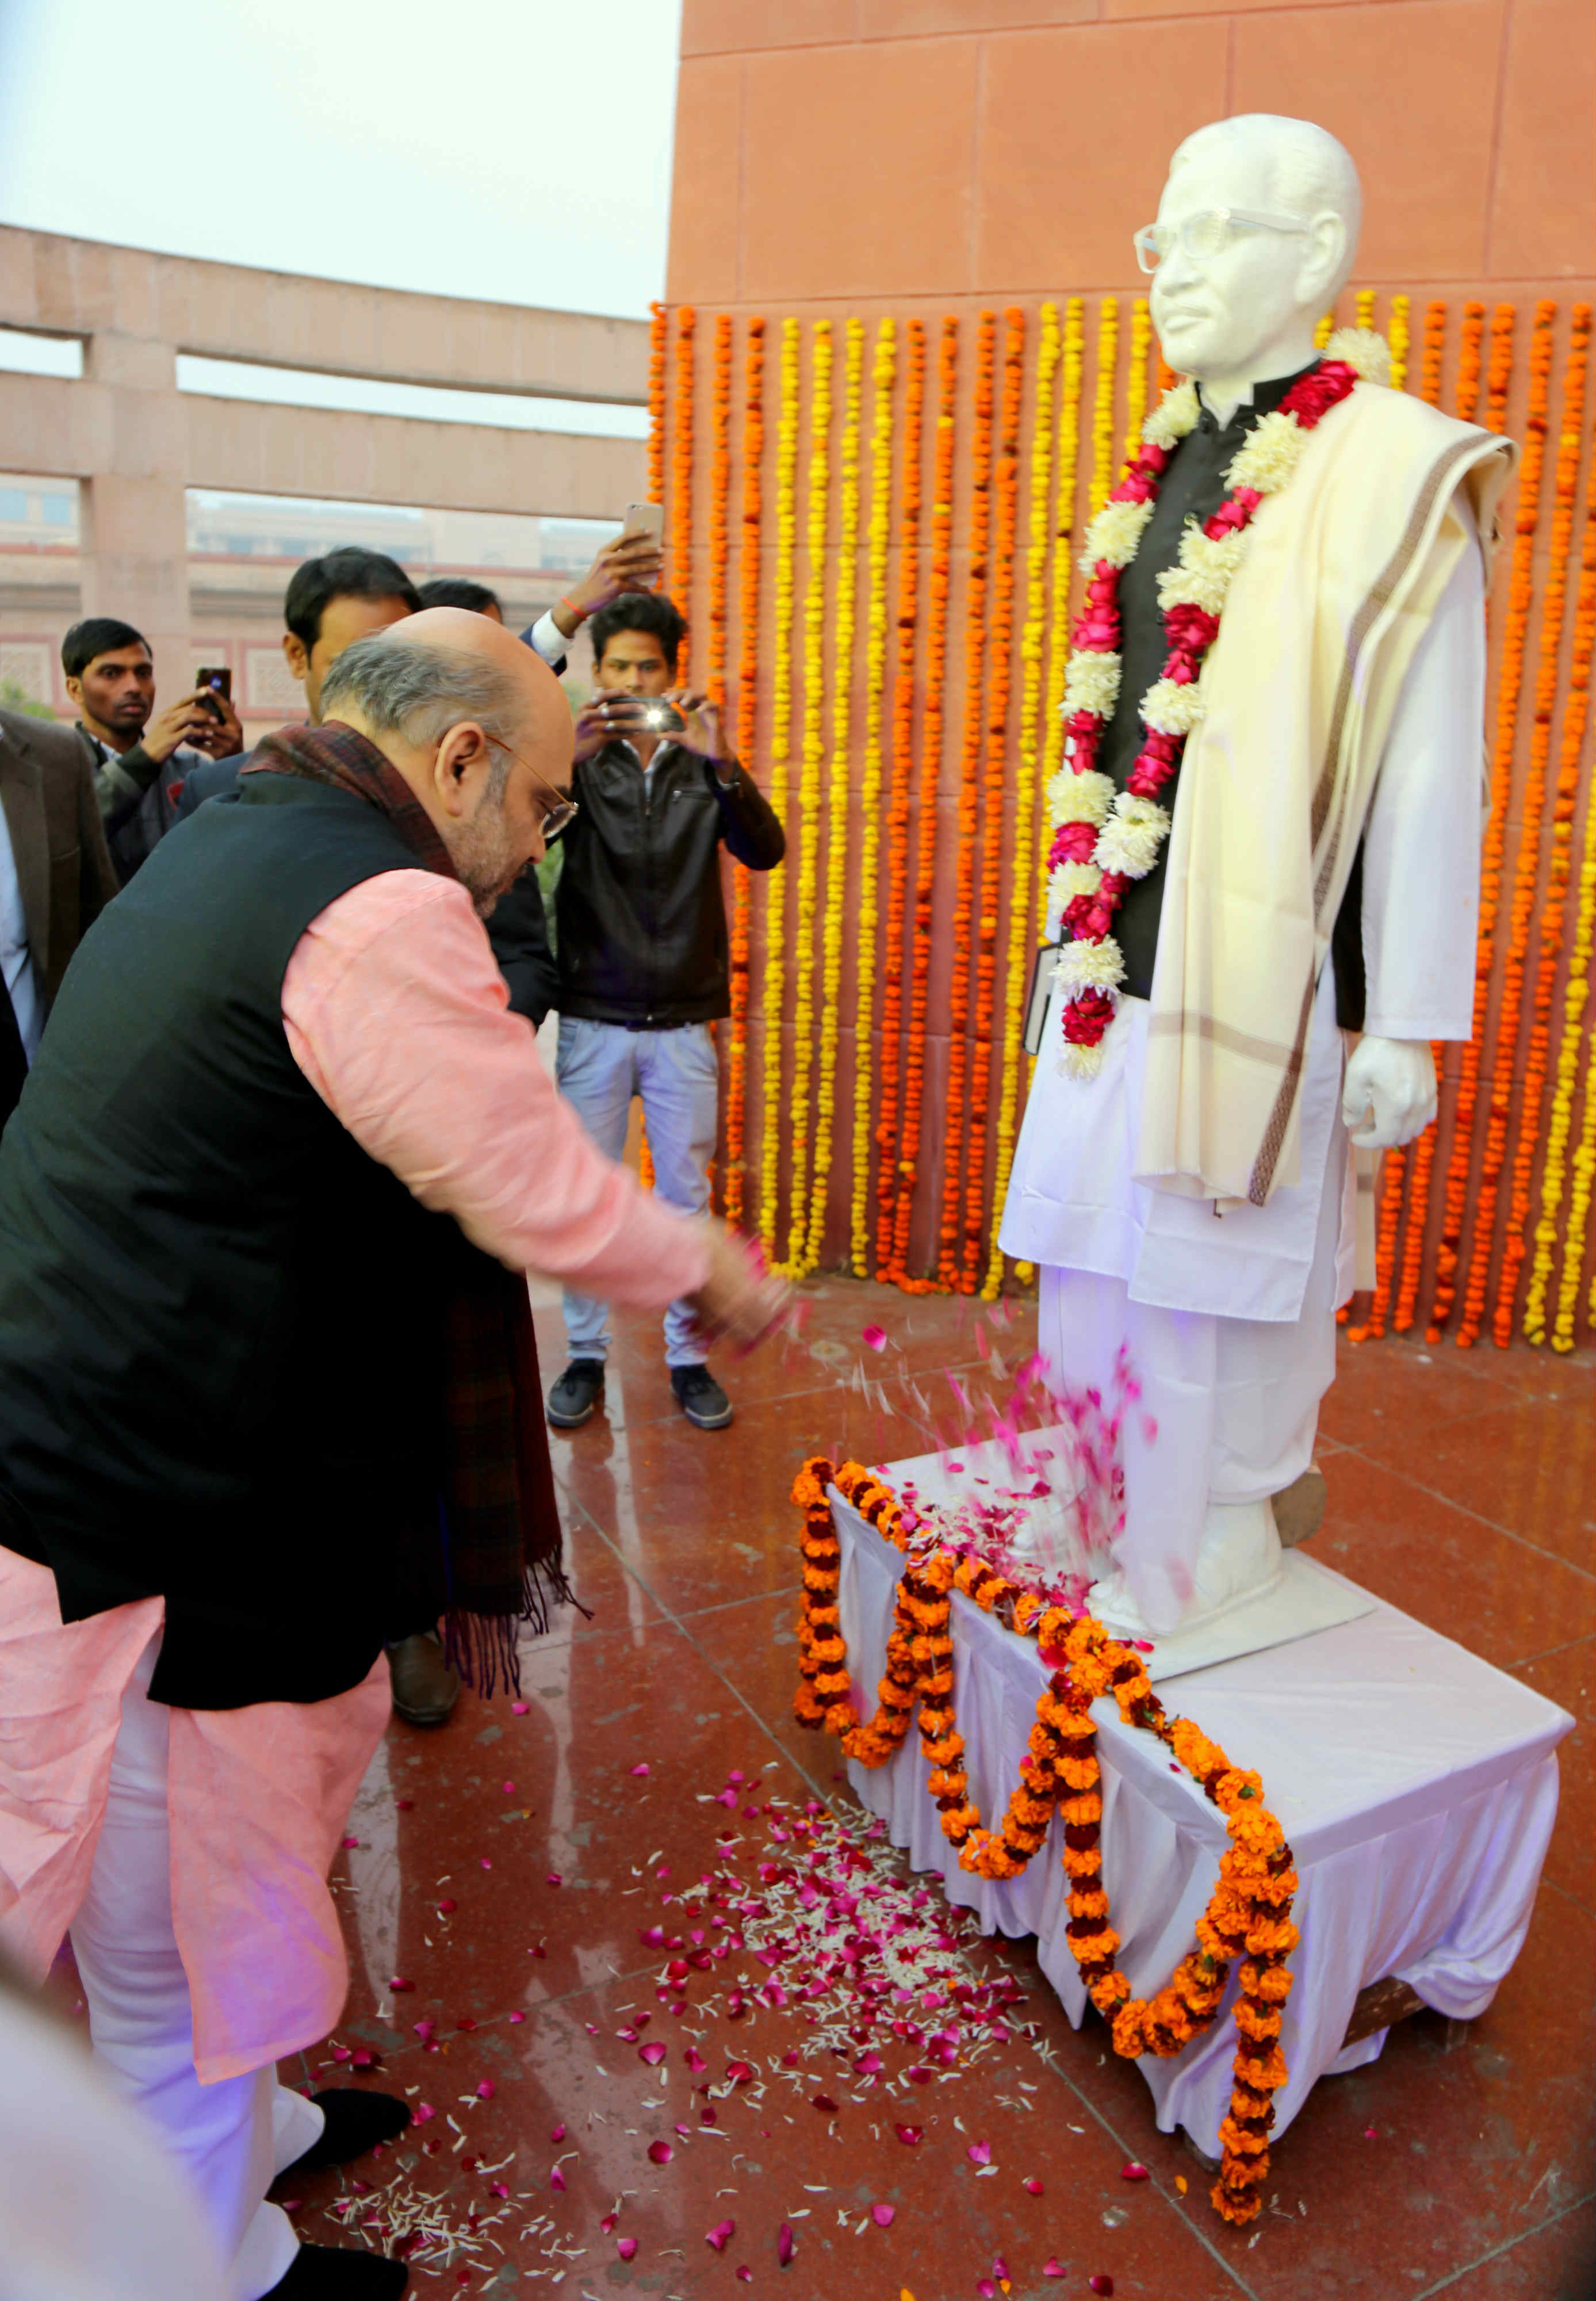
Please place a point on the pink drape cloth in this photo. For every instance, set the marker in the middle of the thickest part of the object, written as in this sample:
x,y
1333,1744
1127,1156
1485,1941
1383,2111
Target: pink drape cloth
x,y
257,1798
395,1012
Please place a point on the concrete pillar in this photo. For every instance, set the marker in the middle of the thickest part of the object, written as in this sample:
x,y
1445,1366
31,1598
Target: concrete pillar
x,y
134,552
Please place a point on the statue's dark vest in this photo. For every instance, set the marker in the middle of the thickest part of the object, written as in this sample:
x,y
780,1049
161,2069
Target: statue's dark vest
x,y
218,1319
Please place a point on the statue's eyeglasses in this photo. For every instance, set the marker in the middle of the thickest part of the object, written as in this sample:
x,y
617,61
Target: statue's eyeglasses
x,y
1205,236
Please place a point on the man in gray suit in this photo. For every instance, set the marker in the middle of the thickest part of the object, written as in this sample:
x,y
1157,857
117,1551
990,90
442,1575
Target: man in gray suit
x,y
56,878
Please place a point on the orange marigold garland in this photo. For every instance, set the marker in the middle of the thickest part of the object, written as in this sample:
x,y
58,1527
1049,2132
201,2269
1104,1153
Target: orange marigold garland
x,y
1510,685
780,736
656,403
1532,1087
1424,1150
1455,1204
898,817
747,714
1033,641
720,492
1576,711
930,761
964,875
1249,1913
681,479
1007,477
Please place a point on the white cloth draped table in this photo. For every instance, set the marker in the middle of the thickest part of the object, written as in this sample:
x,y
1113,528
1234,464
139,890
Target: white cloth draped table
x,y
1417,1784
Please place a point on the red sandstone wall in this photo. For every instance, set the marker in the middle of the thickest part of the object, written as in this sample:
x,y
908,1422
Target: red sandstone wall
x,y
864,157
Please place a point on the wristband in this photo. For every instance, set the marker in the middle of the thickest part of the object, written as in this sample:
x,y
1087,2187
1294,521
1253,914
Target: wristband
x,y
581,614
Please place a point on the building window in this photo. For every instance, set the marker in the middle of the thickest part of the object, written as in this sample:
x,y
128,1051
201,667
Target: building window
x,y
13,504
56,510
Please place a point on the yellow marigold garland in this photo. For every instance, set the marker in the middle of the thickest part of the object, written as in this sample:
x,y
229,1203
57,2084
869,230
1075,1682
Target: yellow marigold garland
x,y
910,503
1031,642
1509,690
842,657
1249,1913
930,761
747,718
799,1116
1102,420
883,376
720,492
1141,336
1575,711
1006,490
780,736
1064,536
1531,1084
959,926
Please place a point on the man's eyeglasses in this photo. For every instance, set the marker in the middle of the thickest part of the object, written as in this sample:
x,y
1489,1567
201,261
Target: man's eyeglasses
x,y
1205,236
559,811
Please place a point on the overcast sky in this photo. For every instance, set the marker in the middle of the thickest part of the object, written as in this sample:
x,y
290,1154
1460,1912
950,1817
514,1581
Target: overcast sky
x,y
514,149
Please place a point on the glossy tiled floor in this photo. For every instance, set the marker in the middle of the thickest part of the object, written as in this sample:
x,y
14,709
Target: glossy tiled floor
x,y
508,1866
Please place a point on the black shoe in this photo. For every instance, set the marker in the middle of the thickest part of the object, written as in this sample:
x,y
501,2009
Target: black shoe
x,y
335,2273
425,1689
577,1390
356,2121
700,1397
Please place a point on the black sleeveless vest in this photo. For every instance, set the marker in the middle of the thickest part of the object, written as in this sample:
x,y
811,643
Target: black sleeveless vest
x,y
219,1319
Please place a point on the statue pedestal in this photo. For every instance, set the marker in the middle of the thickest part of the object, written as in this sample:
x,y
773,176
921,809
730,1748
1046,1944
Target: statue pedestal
x,y
1302,1598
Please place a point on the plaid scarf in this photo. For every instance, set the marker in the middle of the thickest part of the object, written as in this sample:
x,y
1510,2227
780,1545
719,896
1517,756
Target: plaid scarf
x,y
495,1512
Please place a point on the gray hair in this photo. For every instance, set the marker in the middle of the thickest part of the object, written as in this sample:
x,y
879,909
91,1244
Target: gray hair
x,y
419,690
1309,170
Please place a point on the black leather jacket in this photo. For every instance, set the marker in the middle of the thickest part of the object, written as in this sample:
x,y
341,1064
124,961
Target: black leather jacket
x,y
642,921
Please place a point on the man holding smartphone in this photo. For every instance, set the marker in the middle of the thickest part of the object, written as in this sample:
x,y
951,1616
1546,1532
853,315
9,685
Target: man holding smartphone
x,y
641,961
139,766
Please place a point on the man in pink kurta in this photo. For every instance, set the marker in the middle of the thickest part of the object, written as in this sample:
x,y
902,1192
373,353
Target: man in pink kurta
x,y
185,1843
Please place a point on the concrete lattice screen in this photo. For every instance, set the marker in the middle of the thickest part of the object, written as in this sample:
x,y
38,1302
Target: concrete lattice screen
x,y
713,484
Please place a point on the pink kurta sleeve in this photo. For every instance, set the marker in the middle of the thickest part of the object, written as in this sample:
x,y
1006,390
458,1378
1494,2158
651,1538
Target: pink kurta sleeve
x,y
395,1012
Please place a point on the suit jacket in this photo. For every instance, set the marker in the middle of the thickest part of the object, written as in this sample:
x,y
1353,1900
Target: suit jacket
x,y
209,779
64,866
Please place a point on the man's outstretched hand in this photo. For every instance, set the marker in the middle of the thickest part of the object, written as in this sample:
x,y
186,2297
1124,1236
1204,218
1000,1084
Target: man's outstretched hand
x,y
739,1302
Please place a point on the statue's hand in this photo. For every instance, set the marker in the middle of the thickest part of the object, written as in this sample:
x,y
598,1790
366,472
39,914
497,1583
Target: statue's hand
x,y
1389,1096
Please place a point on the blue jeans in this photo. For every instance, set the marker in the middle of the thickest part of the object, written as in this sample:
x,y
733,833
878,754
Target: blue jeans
x,y
599,1067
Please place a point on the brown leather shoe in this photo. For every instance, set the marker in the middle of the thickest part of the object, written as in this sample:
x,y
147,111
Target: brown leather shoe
x,y
425,1689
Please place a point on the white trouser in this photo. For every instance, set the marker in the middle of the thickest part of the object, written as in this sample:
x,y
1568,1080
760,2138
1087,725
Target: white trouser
x,y
232,2137
1228,1410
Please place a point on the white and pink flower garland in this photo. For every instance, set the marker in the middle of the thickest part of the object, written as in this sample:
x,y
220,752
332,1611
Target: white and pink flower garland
x,y
1104,838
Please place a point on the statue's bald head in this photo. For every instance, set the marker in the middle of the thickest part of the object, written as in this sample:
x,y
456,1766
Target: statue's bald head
x,y
1288,164
476,723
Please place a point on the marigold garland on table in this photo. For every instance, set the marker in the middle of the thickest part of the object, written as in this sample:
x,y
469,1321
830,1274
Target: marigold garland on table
x,y
1033,640
930,762
1424,1150
883,377
1006,475
836,882
1509,690
680,579
780,735
1531,1084
1102,418
1249,1913
1575,711
898,821
962,921
748,720
1455,1201
799,1116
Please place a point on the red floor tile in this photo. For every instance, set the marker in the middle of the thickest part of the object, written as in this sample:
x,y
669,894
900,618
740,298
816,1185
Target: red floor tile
x,y
1568,1678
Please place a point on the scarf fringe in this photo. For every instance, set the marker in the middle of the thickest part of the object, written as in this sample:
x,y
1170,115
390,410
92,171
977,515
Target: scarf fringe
x,y
485,1647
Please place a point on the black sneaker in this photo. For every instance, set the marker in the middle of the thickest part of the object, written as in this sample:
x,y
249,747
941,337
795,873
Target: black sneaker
x,y
700,1397
577,1390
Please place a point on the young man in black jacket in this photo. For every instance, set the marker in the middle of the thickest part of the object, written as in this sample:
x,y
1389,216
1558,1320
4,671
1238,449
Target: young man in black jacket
x,y
643,968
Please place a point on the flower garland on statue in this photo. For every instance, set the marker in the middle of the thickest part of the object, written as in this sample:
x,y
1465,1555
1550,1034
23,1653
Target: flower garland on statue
x,y
883,376
781,734
910,504
836,881
1104,838
1033,641
1532,1083
1248,1915
747,713
799,1116
1575,711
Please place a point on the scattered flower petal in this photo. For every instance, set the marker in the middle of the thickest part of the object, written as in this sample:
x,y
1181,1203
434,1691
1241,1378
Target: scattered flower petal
x,y
1101,2283
979,2153
519,1709
786,2246
518,2016
720,2234
653,2054
557,2137
1054,2267
398,1984
350,1844
823,2101
1134,2171
487,2089
509,1789
884,2216
626,2246
1033,2184
660,2152
642,1768
875,1338
555,1878
556,2179
423,2114
909,2135
446,1909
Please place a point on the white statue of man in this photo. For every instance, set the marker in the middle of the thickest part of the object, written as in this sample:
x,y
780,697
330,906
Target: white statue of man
x,y
1181,1173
